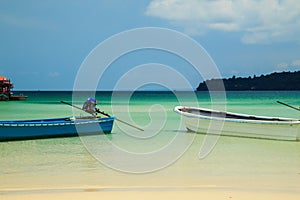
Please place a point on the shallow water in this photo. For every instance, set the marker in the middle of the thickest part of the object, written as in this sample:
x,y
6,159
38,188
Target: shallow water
x,y
93,161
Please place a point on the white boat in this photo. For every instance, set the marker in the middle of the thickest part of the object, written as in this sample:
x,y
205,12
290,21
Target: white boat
x,y
202,120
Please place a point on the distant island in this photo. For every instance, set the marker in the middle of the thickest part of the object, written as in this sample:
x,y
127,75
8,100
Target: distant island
x,y
273,81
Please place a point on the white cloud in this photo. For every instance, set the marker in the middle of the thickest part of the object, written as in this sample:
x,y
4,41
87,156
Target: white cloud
x,y
54,74
282,67
293,66
296,63
260,21
22,21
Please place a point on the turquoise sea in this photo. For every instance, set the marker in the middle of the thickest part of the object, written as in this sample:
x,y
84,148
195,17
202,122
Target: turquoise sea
x,y
83,163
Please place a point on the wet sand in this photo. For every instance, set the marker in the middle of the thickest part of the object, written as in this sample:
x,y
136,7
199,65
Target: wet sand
x,y
237,169
150,193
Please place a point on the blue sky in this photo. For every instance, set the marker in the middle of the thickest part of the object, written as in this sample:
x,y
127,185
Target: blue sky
x,y
43,43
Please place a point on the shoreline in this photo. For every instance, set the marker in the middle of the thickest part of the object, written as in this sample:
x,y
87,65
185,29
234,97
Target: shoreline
x,y
196,192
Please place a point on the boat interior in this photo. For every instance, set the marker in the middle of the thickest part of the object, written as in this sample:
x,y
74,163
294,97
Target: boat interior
x,y
221,114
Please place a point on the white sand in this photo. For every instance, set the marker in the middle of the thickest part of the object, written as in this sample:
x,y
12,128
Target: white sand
x,y
151,193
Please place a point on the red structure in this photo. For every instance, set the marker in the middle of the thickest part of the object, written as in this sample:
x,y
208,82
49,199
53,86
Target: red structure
x,y
5,90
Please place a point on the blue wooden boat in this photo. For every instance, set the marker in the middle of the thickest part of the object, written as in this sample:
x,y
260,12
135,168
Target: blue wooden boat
x,y
55,127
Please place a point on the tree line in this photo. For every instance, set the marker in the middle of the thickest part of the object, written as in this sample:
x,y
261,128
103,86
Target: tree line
x,y
273,81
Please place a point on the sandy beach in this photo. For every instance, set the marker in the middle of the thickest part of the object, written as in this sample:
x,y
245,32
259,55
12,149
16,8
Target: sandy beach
x,y
150,193
244,177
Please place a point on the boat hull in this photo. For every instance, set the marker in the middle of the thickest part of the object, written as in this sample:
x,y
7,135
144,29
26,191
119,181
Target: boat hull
x,y
17,98
50,128
245,126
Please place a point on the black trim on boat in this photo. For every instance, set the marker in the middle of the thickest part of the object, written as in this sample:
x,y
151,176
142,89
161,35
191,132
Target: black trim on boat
x,y
220,114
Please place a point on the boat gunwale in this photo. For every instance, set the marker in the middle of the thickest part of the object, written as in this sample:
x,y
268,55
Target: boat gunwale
x,y
67,121
244,118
